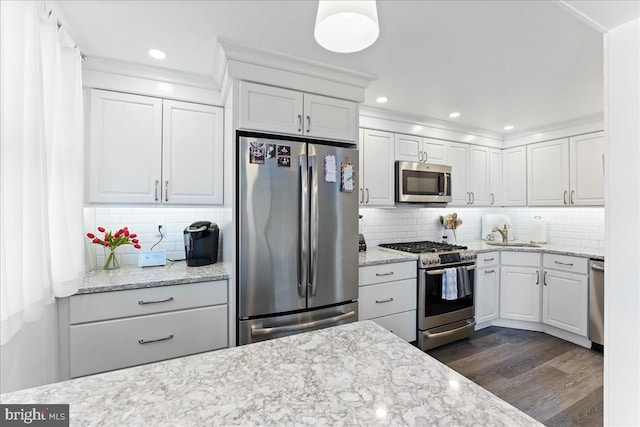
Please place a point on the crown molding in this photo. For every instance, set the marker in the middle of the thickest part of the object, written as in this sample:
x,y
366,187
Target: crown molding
x,y
287,63
578,126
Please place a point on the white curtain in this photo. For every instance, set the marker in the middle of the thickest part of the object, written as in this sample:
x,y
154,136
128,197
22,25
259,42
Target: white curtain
x,y
41,159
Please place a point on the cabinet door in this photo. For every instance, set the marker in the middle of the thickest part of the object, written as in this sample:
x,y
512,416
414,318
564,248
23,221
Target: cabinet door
x,y
270,108
408,148
565,301
514,176
520,293
548,173
587,169
330,118
360,176
125,148
495,177
435,151
458,155
487,294
479,175
377,154
192,161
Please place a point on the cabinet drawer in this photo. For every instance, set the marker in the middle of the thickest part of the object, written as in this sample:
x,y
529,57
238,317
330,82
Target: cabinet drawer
x,y
112,305
387,298
401,324
525,259
566,263
488,258
387,272
115,344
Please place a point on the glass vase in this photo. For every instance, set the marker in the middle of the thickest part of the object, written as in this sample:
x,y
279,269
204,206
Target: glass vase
x,y
111,261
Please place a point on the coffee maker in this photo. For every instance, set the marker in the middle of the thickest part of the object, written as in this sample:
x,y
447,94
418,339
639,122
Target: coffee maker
x,y
201,243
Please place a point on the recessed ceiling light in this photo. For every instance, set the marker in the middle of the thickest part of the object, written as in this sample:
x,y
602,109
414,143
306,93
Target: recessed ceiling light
x,y
454,115
157,54
508,127
469,137
381,99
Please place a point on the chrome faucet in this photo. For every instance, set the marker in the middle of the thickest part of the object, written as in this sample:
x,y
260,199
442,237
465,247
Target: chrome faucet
x,y
504,233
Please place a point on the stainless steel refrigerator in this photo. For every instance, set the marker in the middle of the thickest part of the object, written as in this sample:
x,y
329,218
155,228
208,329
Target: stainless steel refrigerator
x,y
297,217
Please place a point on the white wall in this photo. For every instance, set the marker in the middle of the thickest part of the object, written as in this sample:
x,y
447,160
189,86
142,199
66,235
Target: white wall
x,y
143,221
31,357
622,276
575,227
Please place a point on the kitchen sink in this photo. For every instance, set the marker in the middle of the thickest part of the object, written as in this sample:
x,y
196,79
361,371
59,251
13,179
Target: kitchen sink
x,y
514,244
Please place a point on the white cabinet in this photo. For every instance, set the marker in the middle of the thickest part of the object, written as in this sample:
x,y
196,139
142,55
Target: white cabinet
x,y
145,150
587,169
192,153
376,176
113,330
412,148
274,109
514,176
495,177
565,293
568,171
487,287
387,295
469,174
520,286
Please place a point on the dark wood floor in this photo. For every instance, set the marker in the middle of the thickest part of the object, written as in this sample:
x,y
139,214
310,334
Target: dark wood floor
x,y
554,381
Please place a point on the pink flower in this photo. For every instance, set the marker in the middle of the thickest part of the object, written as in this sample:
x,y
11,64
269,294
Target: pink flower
x,y
95,241
134,240
91,236
137,246
101,229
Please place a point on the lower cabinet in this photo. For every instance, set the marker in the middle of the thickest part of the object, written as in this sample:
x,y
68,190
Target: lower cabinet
x,y
388,296
487,287
113,330
520,286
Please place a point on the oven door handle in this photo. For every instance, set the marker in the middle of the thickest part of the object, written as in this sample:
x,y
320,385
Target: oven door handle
x,y
441,271
470,324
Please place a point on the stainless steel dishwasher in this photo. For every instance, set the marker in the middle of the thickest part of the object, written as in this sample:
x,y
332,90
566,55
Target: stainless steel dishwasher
x,y
596,302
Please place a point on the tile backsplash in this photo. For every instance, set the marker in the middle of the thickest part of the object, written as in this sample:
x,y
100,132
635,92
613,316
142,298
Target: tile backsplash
x,y
143,222
577,227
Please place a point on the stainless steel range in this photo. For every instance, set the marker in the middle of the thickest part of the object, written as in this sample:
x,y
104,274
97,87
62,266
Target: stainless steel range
x,y
442,318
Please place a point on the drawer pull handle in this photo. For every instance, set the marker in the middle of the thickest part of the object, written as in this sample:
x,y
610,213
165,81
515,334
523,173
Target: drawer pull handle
x,y
155,340
570,264
489,271
156,301
489,259
385,274
384,300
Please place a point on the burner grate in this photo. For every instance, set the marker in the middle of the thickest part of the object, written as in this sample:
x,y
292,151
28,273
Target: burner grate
x,y
423,247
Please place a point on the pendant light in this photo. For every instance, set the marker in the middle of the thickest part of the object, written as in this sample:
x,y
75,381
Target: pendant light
x,y
346,26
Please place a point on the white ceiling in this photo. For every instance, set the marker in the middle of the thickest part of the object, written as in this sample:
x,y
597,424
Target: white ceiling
x,y
525,63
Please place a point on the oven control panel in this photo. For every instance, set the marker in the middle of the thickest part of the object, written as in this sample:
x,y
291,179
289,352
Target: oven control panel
x,y
436,259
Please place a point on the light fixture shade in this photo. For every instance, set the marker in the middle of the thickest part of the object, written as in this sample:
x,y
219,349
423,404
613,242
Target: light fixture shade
x,y
346,26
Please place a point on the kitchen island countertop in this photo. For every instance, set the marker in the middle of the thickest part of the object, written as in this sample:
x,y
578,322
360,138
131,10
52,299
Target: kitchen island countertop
x,y
131,277
354,374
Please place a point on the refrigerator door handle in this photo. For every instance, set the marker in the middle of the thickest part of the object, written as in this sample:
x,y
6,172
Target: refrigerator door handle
x,y
303,250
257,331
313,226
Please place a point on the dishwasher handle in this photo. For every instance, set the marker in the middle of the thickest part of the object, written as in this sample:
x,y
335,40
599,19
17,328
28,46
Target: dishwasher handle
x,y
597,267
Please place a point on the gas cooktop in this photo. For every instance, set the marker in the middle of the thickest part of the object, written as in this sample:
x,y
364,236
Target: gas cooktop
x,y
423,247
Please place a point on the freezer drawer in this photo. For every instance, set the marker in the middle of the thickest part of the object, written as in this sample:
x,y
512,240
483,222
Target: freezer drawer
x,y
254,330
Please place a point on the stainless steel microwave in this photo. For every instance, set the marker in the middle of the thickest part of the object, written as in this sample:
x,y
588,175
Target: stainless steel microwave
x,y
422,183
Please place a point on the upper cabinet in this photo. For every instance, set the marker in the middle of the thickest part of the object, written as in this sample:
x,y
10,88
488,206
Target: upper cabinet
x,y
495,177
567,171
144,150
586,169
376,177
470,178
514,176
412,148
273,109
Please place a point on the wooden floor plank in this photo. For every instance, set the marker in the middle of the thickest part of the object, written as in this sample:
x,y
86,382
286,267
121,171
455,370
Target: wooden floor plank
x,y
554,381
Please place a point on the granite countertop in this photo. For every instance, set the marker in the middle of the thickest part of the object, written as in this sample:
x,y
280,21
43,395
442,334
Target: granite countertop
x,y
354,374
377,255
480,246
130,277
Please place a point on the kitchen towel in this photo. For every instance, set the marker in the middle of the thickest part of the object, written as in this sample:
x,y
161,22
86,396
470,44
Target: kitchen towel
x,y
464,285
496,220
450,284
